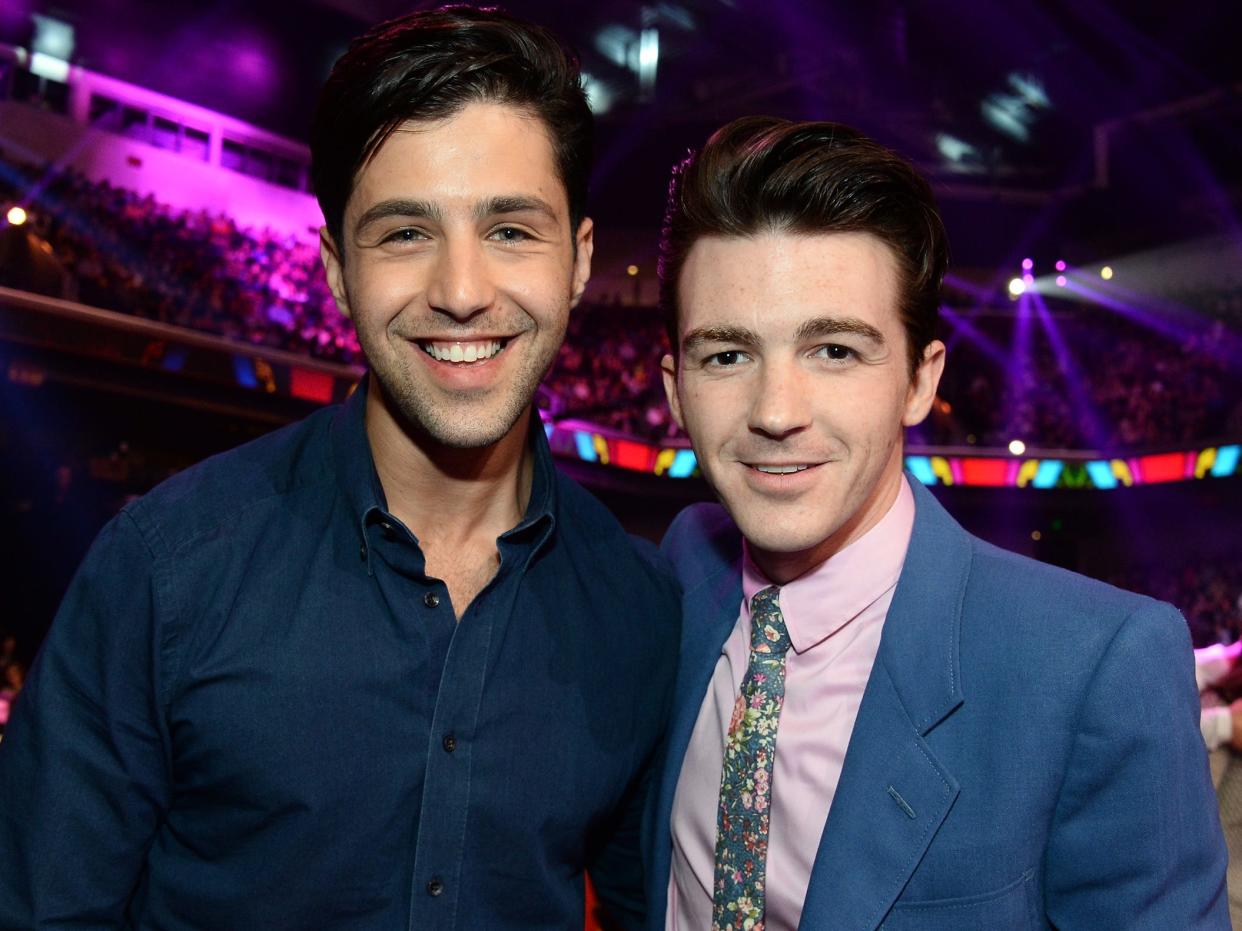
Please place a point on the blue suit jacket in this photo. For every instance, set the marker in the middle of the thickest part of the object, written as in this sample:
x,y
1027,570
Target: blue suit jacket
x,y
1027,751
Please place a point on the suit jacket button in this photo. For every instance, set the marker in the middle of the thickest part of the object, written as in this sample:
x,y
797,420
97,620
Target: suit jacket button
x,y
435,887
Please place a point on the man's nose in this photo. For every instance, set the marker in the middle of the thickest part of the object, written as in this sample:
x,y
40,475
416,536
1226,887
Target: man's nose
x,y
461,282
782,402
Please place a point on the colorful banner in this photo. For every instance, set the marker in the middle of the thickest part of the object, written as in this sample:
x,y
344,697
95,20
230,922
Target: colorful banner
x,y
577,440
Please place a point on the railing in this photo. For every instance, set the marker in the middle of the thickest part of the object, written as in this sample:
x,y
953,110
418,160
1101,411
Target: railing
x,y
88,331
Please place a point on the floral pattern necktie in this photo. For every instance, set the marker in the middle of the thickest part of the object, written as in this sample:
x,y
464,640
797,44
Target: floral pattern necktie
x,y
746,779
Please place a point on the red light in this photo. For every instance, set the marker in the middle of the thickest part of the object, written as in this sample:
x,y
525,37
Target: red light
x,y
310,386
990,473
631,455
1166,467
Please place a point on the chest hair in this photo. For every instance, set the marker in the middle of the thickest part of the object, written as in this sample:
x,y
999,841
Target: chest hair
x,y
465,570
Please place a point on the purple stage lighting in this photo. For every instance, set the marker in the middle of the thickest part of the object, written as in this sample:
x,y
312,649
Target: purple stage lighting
x,y
1060,265
1028,264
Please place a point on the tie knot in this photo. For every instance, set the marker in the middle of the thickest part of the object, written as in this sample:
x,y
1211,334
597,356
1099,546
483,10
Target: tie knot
x,y
768,633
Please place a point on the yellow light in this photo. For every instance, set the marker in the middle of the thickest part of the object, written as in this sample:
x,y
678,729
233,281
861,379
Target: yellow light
x,y
1016,286
17,216
631,270
1106,272
1017,447
1036,535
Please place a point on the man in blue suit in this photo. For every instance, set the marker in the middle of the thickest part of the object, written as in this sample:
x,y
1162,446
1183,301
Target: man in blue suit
x,y
880,720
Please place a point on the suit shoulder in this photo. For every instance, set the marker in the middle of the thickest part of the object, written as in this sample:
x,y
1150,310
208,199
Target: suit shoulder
x,y
590,527
213,492
701,539
1062,598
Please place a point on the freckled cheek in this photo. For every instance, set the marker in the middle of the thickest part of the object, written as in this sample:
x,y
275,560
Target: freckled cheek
x,y
715,413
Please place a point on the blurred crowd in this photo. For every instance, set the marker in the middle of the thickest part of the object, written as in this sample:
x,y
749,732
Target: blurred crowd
x,y
130,253
1209,596
1099,381
1114,384
608,372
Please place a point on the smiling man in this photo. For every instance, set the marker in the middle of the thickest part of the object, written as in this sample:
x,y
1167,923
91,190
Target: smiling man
x,y
385,668
880,720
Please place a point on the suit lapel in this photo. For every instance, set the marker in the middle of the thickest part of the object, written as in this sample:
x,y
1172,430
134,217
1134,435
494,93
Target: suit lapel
x,y
710,611
893,794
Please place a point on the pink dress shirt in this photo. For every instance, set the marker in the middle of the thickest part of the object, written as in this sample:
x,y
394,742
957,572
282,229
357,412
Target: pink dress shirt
x,y
834,614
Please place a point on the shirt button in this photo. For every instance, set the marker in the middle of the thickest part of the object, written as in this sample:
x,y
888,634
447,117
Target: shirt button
x,y
450,743
435,887
431,600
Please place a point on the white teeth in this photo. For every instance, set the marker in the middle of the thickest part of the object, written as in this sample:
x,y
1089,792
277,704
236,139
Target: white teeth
x,y
462,352
781,470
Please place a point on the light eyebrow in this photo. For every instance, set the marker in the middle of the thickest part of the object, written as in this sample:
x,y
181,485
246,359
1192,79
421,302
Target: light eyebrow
x,y
413,209
512,203
737,335
819,327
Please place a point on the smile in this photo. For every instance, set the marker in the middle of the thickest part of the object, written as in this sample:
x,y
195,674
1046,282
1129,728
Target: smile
x,y
461,352
780,469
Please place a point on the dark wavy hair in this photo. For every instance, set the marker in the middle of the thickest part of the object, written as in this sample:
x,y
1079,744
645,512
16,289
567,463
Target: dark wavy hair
x,y
428,66
762,174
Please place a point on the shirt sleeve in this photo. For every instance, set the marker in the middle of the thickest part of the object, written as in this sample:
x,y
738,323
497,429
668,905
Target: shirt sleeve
x,y
1136,839
83,766
617,873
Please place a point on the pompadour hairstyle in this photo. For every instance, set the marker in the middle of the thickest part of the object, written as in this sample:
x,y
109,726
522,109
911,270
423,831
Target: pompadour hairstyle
x,y
428,66
763,174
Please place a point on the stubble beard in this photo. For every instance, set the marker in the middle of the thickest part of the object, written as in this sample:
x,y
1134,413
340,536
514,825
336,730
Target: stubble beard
x,y
459,419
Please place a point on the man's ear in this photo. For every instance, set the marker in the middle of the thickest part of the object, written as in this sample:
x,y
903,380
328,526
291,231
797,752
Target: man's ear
x,y
584,247
668,368
335,270
922,390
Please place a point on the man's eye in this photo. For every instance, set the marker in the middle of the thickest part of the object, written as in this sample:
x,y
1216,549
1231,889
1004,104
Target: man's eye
x,y
726,358
405,234
837,353
510,234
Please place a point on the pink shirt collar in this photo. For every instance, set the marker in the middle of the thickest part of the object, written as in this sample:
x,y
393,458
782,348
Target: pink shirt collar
x,y
818,604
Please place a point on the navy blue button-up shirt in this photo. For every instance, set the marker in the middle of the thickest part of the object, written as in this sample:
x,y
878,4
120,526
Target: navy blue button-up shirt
x,y
255,710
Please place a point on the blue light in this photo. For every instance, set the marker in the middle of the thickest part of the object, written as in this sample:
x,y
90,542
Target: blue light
x,y
243,369
174,360
1048,473
683,465
1226,461
921,468
586,446
1101,474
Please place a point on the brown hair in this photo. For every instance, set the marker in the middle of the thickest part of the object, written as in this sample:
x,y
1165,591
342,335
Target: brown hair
x,y
428,66
762,173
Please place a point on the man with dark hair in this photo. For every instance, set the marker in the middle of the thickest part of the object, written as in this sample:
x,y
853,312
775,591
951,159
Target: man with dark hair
x,y
880,720
385,668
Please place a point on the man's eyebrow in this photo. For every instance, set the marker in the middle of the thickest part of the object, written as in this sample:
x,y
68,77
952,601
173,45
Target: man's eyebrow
x,y
820,327
512,203
736,335
413,209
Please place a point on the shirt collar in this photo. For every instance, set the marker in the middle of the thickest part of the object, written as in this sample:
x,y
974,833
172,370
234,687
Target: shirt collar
x,y
351,450
359,482
818,604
